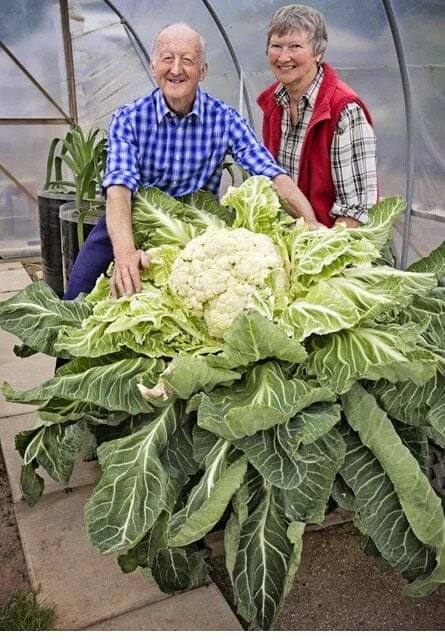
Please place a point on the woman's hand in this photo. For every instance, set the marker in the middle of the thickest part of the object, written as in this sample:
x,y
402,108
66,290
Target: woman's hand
x,y
350,222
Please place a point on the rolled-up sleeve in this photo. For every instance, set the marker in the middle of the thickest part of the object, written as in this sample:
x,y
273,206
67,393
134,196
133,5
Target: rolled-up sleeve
x,y
249,152
354,166
122,154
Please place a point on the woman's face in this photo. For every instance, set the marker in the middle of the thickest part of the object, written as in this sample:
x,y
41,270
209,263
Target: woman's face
x,y
292,59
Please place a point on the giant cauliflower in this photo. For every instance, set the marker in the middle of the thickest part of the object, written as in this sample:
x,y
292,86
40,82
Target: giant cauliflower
x,y
223,271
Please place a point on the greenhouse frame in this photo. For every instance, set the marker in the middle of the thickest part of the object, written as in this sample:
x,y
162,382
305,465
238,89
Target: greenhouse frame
x,y
66,62
229,366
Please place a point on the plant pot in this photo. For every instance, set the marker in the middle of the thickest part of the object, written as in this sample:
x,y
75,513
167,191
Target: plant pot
x,y
50,242
73,233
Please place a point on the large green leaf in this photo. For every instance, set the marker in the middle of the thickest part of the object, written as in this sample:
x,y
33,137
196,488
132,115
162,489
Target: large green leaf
x,y
276,463
434,262
407,402
112,386
257,403
151,322
252,338
421,506
208,500
175,569
436,417
320,254
36,315
204,209
256,204
31,484
56,448
380,511
382,217
308,501
185,375
308,425
370,352
324,310
358,293
132,490
160,219
264,551
178,456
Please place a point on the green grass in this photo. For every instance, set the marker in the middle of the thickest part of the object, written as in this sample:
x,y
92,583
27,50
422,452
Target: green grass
x,y
23,612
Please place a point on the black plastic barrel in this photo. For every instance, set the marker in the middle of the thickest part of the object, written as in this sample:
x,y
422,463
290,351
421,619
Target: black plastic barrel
x,y
50,240
68,222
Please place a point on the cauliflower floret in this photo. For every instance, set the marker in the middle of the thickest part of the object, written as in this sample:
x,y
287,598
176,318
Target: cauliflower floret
x,y
222,271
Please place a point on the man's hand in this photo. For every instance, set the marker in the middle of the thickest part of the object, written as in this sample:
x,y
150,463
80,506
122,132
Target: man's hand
x,y
125,279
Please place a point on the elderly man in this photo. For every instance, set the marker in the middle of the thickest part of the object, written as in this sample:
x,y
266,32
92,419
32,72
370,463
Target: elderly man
x,y
175,138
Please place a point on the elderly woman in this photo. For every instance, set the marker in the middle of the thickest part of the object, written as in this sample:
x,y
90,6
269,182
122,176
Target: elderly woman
x,y
315,125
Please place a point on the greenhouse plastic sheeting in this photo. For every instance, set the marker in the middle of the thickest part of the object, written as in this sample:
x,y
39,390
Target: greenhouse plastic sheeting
x,y
392,53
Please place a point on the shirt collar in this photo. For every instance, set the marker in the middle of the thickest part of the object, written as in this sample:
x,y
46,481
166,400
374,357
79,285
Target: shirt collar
x,y
310,95
162,109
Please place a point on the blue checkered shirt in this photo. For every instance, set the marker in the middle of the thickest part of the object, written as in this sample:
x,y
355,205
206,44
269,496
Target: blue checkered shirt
x,y
149,145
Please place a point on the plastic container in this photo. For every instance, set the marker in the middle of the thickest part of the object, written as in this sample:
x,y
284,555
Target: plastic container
x,y
50,241
68,222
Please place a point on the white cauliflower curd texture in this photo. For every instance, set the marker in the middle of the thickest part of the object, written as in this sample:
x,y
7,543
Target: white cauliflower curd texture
x,y
221,272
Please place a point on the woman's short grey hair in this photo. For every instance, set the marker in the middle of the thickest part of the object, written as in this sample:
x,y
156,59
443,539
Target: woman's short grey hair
x,y
202,42
299,17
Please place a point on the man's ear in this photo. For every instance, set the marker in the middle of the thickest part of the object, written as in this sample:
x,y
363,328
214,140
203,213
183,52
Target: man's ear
x,y
204,69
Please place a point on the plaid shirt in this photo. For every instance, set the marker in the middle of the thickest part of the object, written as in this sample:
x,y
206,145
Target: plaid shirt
x,y
353,151
149,145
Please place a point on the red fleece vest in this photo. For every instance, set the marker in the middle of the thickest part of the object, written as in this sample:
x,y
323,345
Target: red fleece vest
x,y
314,178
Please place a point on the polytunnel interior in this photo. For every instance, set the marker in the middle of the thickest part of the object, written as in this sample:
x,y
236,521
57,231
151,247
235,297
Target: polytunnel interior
x,y
65,62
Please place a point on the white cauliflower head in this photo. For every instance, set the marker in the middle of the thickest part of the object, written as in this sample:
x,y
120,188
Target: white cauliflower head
x,y
222,271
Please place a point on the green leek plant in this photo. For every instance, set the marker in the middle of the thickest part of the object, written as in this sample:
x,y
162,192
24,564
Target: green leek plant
x,y
81,155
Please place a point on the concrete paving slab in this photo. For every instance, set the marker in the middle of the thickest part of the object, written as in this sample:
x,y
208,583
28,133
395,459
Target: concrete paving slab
x,y
201,609
84,585
13,279
10,265
7,343
23,374
84,473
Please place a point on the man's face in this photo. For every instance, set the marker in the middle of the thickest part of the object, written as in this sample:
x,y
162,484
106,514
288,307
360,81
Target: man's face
x,y
292,59
177,66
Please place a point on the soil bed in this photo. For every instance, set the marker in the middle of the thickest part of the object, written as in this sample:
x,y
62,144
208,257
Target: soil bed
x,y
339,587
13,572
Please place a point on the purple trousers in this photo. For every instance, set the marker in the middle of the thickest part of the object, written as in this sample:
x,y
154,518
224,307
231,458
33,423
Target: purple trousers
x,y
93,259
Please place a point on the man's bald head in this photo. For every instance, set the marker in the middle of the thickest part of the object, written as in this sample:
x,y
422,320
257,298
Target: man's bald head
x,y
180,30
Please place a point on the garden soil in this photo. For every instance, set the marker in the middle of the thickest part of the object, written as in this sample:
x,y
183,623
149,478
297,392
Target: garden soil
x,y
338,587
